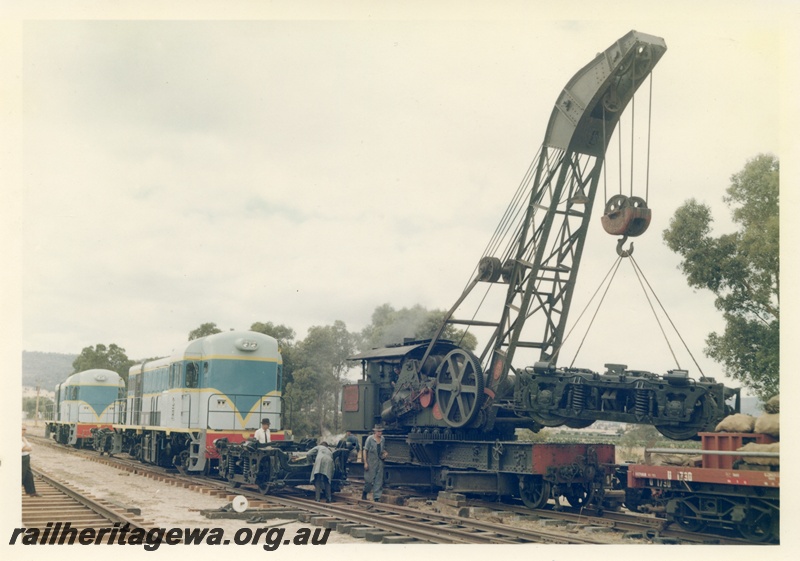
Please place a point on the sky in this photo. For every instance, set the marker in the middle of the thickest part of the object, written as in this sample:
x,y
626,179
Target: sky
x,y
302,171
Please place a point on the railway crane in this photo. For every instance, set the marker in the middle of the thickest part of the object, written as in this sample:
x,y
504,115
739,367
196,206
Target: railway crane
x,y
450,414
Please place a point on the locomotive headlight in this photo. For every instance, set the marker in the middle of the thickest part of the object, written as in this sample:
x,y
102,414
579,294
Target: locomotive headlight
x,y
246,345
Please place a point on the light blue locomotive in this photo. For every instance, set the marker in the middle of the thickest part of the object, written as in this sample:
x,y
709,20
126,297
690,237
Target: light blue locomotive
x,y
84,401
219,386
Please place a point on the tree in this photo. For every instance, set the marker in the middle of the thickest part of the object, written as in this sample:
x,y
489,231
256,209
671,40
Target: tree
x,y
45,407
283,334
741,269
325,350
286,345
390,326
112,357
204,330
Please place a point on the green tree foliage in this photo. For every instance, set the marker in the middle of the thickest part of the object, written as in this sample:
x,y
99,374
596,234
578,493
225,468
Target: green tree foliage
x,y
283,334
390,326
45,407
324,352
112,357
741,269
204,330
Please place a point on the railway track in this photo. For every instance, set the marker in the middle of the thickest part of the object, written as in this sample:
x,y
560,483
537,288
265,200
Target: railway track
x,y
373,521
399,524
61,503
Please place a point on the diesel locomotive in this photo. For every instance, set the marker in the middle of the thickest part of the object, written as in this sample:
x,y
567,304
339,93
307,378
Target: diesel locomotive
x,y
83,402
214,387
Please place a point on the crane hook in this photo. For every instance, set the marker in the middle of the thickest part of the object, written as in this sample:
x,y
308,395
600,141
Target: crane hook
x,y
620,251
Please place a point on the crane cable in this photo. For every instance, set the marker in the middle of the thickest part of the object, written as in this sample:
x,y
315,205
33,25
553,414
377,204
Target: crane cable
x,y
677,332
645,284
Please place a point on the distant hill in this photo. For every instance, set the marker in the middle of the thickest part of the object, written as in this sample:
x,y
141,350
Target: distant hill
x,y
45,369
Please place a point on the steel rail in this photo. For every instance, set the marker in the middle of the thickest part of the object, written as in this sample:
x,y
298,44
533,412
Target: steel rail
x,y
108,513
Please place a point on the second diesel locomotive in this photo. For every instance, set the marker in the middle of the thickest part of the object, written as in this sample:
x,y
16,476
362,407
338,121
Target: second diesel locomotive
x,y
83,402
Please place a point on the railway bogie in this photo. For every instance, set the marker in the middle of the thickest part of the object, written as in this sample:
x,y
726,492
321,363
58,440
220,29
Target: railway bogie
x,y
273,466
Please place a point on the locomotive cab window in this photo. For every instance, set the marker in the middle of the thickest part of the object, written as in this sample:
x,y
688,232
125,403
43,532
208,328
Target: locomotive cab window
x,y
191,375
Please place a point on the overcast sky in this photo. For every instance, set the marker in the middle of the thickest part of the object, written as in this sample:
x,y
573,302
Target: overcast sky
x,y
302,172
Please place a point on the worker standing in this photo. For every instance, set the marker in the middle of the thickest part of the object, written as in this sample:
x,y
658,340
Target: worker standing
x,y
262,435
374,455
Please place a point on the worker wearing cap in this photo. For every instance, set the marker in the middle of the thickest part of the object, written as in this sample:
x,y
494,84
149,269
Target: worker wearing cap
x,y
262,434
374,455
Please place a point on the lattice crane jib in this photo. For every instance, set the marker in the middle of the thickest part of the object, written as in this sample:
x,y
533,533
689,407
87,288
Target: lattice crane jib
x,y
542,265
436,389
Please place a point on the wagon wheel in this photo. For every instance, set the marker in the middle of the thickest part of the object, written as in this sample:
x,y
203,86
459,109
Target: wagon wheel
x,y
264,476
686,519
534,491
677,433
181,462
459,387
758,525
548,419
578,495
702,419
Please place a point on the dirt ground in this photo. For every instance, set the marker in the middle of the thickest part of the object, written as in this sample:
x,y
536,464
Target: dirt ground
x,y
163,505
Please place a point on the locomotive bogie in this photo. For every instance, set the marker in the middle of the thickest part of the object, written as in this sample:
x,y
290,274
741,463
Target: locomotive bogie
x,y
273,466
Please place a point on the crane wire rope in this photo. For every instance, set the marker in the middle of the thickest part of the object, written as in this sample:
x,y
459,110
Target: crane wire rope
x,y
589,303
639,276
615,268
677,332
633,124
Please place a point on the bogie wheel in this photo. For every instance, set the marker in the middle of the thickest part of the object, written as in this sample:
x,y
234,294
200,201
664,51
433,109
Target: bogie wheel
x,y
182,462
701,419
578,423
459,387
759,525
534,491
548,419
686,519
677,433
578,496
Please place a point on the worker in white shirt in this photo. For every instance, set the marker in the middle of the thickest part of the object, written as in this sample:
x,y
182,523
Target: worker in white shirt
x,y
262,434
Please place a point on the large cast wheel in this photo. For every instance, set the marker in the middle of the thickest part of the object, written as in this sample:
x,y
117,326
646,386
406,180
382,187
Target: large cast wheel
x,y
578,495
687,520
534,491
459,387
759,525
548,419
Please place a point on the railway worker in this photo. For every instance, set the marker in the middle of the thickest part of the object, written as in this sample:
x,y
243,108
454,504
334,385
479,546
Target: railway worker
x,y
27,474
262,435
374,455
322,474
